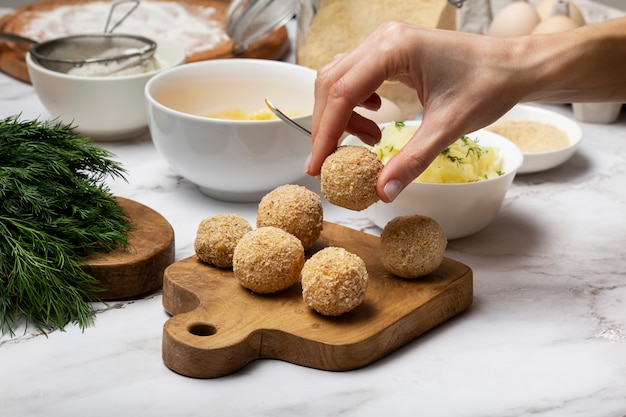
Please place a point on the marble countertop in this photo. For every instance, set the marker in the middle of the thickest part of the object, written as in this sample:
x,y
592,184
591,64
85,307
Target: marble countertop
x,y
545,336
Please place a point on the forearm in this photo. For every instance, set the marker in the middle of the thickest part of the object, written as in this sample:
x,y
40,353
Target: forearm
x,y
584,66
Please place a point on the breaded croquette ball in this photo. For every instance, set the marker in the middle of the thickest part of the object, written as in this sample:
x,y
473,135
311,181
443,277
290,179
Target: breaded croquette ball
x,y
334,281
412,246
349,175
217,237
295,209
268,260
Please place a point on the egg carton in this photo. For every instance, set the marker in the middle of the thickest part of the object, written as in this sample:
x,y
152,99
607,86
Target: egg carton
x,y
475,15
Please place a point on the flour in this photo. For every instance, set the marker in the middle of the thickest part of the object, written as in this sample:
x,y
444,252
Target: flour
x,y
196,28
129,66
116,69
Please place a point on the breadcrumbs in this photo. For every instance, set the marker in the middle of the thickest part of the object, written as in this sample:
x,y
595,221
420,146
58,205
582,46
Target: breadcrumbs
x,y
531,136
349,176
412,246
268,260
334,281
295,209
217,237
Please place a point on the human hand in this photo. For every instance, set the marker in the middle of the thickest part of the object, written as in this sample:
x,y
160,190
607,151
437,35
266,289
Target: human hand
x,y
458,77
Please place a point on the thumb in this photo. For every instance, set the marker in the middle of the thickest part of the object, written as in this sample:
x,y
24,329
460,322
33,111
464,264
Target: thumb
x,y
411,161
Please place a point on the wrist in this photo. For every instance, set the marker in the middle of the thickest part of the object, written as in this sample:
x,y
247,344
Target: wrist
x,y
584,64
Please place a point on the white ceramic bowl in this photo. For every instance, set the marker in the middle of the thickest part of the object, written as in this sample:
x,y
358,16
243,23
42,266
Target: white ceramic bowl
x,y
105,108
597,112
541,161
233,160
461,209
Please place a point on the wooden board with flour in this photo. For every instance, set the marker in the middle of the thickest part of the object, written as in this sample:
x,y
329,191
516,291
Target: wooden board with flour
x,y
197,25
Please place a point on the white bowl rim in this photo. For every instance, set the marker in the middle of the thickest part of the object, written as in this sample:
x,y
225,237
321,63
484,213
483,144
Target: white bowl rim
x,y
509,172
104,78
215,120
189,66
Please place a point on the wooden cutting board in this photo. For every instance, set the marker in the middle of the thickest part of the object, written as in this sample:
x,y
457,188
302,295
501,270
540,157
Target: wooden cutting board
x,y
218,326
12,56
138,269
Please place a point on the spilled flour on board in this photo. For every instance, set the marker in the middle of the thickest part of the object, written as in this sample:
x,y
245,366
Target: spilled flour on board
x,y
197,28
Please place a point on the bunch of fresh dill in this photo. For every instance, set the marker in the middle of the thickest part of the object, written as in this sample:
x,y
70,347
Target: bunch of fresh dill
x,y
55,212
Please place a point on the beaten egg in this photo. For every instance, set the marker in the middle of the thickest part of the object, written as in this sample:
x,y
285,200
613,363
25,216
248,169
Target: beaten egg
x,y
237,114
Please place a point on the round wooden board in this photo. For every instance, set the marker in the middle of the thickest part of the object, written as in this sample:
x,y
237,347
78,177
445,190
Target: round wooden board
x,y
12,56
138,269
219,326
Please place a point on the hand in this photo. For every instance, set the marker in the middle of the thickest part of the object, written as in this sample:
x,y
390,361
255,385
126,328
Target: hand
x,y
456,76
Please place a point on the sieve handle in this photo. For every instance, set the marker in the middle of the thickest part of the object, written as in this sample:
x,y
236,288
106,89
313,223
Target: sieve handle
x,y
119,22
16,38
456,3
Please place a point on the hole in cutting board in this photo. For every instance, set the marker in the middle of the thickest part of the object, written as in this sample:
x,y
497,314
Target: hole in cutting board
x,y
203,329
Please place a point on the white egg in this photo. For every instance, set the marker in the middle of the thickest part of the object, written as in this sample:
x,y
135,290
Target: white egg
x,y
515,19
546,8
554,24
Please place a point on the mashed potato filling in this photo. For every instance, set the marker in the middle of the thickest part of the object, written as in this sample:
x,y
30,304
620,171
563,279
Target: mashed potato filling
x,y
463,161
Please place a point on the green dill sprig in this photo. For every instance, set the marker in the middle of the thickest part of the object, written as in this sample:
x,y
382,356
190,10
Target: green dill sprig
x,y
476,150
453,158
399,125
55,212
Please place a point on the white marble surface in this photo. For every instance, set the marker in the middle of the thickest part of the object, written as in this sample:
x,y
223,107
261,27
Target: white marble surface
x,y
545,336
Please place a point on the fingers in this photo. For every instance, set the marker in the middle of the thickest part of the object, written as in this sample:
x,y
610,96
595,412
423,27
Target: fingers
x,y
409,163
440,127
347,82
333,116
364,128
373,102
328,126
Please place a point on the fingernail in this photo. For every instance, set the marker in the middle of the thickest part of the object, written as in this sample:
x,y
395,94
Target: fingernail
x,y
307,164
392,189
368,139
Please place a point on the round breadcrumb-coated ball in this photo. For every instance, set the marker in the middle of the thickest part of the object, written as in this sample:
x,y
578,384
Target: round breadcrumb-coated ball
x,y
217,237
334,281
295,209
348,177
412,246
268,260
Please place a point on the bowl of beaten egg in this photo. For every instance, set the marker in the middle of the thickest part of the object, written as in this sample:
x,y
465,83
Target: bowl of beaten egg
x,y
462,189
209,121
547,139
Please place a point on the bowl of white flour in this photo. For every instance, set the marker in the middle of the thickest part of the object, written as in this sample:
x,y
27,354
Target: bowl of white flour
x,y
103,101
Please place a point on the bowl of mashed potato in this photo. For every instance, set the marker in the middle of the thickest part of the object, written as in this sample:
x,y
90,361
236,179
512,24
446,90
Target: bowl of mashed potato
x,y
104,102
209,120
462,189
